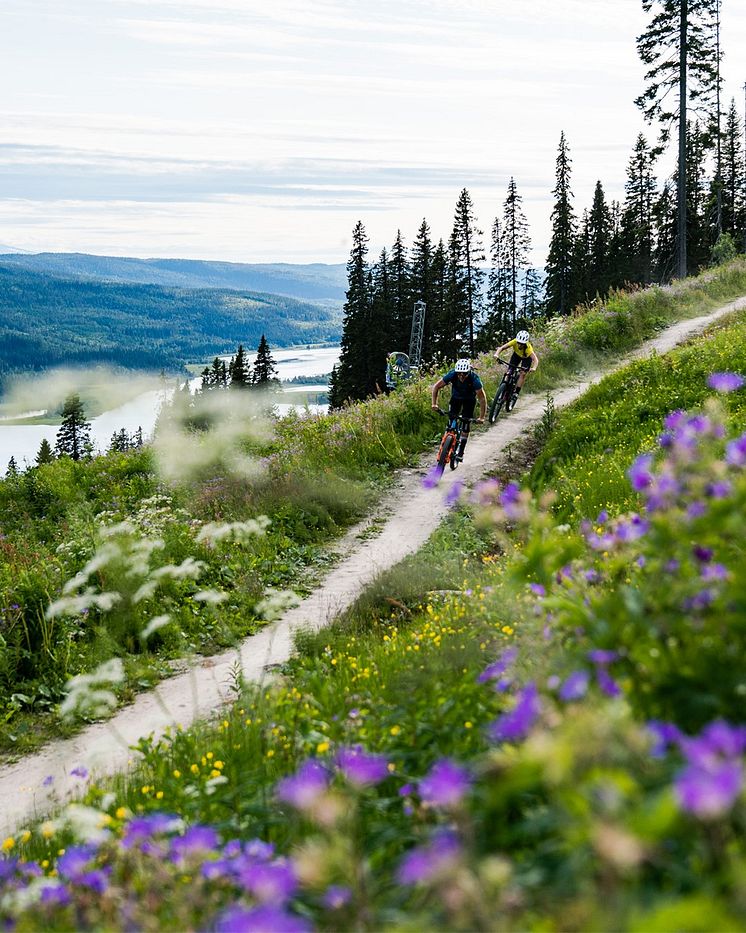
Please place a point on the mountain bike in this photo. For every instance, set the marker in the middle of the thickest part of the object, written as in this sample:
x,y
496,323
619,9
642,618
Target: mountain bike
x,y
454,432
505,394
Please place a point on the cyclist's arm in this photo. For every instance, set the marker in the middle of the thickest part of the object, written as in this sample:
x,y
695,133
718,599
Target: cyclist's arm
x,y
534,362
436,390
505,346
482,403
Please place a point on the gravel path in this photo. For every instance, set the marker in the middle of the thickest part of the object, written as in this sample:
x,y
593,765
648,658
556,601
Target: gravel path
x,y
410,515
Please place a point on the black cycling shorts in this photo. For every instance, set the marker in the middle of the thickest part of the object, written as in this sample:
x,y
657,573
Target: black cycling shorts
x,y
520,362
462,406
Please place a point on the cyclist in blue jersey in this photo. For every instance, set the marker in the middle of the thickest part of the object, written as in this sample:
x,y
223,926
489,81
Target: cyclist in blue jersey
x,y
466,388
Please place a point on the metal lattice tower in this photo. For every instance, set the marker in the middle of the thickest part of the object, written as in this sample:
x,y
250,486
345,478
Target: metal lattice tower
x,y
418,332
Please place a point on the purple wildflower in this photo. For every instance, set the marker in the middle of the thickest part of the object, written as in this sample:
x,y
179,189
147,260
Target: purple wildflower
x,y
432,477
696,509
717,740
406,789
360,768
336,896
257,849
55,895
537,589
700,600
663,734
454,493
510,495
269,882
97,880
715,572
497,668
518,722
606,682
75,861
143,828
639,473
672,565
575,687
603,656
735,452
79,771
674,419
709,792
445,784
304,788
264,919
48,780
725,382
591,576
197,840
430,862
602,517
720,489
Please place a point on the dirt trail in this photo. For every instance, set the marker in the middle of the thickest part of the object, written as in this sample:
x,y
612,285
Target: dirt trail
x,y
411,514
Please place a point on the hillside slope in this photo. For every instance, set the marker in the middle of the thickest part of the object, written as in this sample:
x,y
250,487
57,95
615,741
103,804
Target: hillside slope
x,y
49,321
311,281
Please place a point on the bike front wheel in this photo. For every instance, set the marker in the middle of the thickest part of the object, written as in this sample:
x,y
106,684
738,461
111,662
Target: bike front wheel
x,y
497,403
445,452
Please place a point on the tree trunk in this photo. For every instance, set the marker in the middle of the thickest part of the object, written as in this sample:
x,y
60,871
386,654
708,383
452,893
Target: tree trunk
x,y
683,22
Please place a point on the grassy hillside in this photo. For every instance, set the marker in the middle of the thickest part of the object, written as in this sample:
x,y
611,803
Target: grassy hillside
x,y
312,281
47,321
471,747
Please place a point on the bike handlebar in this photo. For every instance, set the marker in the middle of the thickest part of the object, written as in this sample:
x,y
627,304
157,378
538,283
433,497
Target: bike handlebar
x,y
446,415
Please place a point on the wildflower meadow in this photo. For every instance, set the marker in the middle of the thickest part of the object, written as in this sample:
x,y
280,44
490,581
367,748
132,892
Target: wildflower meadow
x,y
534,723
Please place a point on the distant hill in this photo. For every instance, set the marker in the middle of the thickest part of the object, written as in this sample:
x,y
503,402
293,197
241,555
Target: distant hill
x,y
314,281
50,321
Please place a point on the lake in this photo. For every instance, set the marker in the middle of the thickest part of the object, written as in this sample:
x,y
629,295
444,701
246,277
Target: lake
x,y
22,440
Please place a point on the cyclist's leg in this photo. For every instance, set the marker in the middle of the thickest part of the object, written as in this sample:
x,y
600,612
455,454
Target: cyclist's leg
x,y
467,411
523,367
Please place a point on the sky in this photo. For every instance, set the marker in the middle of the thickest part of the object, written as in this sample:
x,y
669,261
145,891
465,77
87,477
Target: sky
x,y
263,130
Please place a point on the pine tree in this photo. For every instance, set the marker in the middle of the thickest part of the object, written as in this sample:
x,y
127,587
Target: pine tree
x,y
700,205
666,231
45,454
352,379
421,284
120,442
497,325
382,328
637,215
581,260
679,48
533,295
265,370
73,437
517,247
12,468
734,178
598,275
561,286
206,383
401,294
465,255
437,312
137,440
239,370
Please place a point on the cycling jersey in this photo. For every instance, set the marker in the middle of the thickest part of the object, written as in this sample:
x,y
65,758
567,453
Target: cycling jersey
x,y
526,352
463,390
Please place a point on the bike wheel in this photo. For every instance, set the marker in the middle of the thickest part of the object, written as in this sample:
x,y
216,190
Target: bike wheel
x,y
444,454
497,403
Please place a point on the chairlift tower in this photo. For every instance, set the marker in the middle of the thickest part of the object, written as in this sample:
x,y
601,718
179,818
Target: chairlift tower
x,y
418,332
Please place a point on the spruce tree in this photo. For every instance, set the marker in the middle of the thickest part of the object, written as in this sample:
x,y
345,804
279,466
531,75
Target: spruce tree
x,y
598,276
497,325
421,284
73,436
401,294
239,370
666,229
734,178
637,215
352,380
700,204
12,468
45,454
437,311
265,370
381,343
517,247
120,441
679,48
533,295
561,287
466,254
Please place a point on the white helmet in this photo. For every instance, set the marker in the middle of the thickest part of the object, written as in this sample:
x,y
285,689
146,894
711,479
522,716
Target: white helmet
x,y
463,366
522,336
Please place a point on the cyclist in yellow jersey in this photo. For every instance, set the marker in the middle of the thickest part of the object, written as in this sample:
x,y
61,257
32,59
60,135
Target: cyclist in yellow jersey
x,y
524,358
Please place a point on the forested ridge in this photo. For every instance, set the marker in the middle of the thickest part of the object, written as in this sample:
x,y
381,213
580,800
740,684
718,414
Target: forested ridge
x,y
48,321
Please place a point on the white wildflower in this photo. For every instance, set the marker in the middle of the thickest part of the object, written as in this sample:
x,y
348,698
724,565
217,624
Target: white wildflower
x,y
155,623
86,693
210,597
275,603
213,532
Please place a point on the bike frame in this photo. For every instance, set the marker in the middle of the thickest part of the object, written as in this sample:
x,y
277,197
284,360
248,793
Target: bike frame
x,y
455,429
